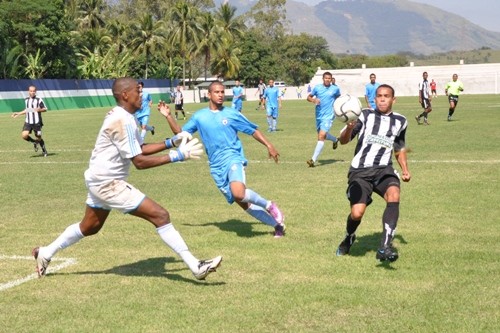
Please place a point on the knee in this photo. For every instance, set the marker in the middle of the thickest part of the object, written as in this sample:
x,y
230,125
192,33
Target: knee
x,y
89,230
357,213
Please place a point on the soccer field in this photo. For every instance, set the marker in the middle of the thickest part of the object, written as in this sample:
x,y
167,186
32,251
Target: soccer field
x,y
125,279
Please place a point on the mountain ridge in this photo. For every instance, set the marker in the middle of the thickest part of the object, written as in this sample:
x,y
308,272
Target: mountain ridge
x,y
381,27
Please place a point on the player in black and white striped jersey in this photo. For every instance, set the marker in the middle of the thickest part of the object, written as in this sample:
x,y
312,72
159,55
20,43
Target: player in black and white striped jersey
x,y
424,98
380,132
34,106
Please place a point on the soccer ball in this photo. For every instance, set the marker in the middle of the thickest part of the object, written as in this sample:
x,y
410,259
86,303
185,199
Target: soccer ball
x,y
347,108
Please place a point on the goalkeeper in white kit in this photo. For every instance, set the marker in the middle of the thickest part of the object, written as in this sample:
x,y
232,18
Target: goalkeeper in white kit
x,y
118,145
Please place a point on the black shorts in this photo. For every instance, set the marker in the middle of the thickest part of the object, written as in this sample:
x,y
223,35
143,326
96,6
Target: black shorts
x,y
179,107
363,182
453,98
426,103
36,128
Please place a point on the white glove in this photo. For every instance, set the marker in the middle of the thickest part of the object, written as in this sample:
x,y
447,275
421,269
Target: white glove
x,y
178,140
191,149
181,138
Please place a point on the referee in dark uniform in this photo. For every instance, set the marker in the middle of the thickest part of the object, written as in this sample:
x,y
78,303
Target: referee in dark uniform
x,y
34,106
380,132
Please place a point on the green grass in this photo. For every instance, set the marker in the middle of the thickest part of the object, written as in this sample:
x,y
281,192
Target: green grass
x,y
127,280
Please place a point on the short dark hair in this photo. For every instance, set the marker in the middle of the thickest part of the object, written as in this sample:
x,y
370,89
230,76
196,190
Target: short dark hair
x,y
387,86
327,73
141,83
214,83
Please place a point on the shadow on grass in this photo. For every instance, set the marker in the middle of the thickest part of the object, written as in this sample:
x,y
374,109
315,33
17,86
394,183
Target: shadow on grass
x,y
240,228
368,244
330,161
152,267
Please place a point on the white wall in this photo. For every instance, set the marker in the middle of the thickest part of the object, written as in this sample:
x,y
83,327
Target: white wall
x,y
477,79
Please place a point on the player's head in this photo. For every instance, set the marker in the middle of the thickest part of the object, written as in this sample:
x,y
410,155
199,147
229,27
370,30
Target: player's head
x,y
178,88
127,93
385,98
216,95
327,79
373,77
32,91
271,83
237,82
455,77
425,75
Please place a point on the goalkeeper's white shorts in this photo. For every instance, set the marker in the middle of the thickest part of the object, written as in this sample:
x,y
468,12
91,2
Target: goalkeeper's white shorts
x,y
116,194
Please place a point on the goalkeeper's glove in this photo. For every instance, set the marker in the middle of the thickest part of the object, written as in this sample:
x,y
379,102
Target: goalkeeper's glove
x,y
178,139
192,149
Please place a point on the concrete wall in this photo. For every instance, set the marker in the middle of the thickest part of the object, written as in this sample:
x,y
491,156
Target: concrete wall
x,y
477,79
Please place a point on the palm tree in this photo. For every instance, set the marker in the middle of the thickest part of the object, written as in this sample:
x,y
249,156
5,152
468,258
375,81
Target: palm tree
x,y
210,39
150,36
91,16
232,26
185,31
227,64
35,65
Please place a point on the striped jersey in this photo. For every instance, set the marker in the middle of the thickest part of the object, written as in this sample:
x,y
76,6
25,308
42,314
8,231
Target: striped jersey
x,y
423,88
33,117
378,135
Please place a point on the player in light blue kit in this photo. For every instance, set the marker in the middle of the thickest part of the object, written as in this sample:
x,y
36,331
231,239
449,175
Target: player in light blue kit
x,y
371,92
237,96
323,96
143,114
218,127
272,99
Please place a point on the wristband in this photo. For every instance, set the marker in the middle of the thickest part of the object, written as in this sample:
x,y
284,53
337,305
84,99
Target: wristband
x,y
169,143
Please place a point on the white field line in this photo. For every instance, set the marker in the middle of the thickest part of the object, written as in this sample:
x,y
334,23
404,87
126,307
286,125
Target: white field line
x,y
65,262
46,160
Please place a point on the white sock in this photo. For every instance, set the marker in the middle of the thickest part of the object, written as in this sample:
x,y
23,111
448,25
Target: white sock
x,y
174,240
317,150
143,133
70,236
261,214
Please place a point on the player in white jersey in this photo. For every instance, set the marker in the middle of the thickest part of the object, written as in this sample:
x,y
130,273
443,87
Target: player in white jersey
x,y
380,132
119,145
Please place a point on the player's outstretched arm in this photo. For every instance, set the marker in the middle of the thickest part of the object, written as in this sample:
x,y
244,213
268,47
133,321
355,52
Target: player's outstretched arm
x,y
191,150
273,153
165,111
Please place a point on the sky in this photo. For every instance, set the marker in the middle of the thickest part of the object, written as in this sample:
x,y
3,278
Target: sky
x,y
484,13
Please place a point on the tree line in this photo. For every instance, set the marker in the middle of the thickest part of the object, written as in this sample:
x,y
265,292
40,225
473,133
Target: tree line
x,y
174,39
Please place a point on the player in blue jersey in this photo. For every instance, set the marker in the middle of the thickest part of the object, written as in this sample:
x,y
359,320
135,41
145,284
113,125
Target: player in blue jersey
x,y
323,96
272,99
237,96
218,127
143,114
371,92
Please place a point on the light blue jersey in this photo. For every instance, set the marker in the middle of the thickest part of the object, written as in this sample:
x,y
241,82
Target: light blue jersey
x,y
271,94
219,132
326,95
145,109
371,92
238,98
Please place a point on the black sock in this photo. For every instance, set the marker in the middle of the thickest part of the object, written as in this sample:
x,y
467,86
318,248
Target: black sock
x,y
42,144
450,112
423,114
389,222
30,139
351,225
